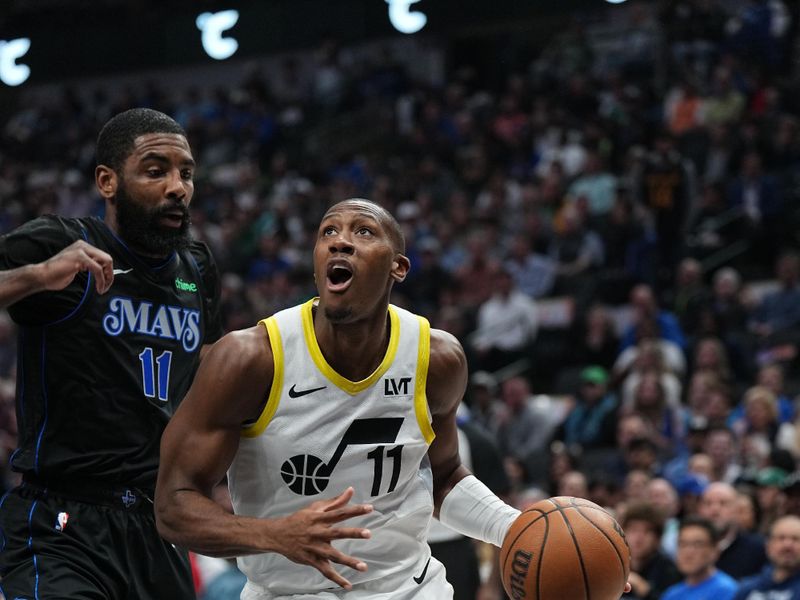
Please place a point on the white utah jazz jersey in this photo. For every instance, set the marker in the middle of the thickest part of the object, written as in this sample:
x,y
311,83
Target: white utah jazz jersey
x,y
320,433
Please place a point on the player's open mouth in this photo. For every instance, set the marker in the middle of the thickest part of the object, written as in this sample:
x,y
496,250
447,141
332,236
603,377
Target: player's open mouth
x,y
339,274
172,219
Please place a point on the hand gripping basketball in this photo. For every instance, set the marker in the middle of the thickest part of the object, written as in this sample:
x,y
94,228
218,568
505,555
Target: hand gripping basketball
x,y
565,547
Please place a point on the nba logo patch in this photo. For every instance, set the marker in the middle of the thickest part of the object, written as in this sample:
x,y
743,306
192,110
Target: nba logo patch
x,y
61,521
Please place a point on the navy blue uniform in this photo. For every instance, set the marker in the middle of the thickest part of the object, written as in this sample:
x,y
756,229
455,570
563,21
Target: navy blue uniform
x,y
97,380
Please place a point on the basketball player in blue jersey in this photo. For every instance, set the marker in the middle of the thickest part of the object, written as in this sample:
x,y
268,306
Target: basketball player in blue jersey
x,y
113,316
335,421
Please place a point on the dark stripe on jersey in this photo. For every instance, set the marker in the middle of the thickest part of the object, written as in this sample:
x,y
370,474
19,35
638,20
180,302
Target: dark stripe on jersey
x,y
2,533
30,547
85,292
44,398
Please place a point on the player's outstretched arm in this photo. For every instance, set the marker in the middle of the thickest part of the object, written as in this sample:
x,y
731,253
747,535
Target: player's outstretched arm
x,y
461,501
56,273
198,446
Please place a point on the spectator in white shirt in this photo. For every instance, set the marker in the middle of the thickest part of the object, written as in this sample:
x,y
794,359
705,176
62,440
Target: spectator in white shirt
x,y
506,327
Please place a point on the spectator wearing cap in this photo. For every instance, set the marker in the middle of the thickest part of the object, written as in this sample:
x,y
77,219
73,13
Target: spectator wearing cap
x,y
652,571
741,554
690,487
591,423
770,496
781,579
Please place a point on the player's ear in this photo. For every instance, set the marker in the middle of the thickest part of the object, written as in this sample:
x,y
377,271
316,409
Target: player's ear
x,y
106,180
400,267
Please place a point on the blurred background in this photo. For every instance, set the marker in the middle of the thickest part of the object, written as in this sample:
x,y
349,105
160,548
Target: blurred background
x,y
601,201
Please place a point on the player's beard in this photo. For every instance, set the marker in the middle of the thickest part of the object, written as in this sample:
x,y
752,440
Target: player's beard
x,y
139,226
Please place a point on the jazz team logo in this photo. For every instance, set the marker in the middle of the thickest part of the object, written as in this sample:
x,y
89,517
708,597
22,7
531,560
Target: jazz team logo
x,y
61,521
308,475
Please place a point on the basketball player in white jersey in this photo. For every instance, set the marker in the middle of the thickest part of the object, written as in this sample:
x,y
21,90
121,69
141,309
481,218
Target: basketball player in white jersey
x,y
335,421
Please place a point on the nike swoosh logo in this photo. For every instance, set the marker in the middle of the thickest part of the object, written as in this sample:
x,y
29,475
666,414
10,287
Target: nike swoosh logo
x,y
122,271
297,393
418,580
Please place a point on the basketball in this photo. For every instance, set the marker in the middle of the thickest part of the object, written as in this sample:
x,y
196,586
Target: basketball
x,y
565,548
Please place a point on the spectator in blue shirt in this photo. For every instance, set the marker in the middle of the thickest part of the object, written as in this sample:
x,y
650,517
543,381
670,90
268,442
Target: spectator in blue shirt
x,y
646,309
697,553
781,579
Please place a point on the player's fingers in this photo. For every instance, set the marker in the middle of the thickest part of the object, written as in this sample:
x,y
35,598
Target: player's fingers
x,y
336,556
325,567
341,533
96,269
346,512
339,500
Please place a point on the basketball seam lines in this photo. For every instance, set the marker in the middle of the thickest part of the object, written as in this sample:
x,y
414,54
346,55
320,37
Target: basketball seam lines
x,y
608,538
577,550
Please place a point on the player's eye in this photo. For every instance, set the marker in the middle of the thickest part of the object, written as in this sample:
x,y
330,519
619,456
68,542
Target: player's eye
x,y
155,172
187,174
364,231
329,230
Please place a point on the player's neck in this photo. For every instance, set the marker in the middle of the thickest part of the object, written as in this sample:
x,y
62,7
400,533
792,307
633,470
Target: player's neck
x,y
354,350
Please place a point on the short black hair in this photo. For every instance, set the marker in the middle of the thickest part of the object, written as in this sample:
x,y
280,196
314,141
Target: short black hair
x,y
115,142
703,523
646,513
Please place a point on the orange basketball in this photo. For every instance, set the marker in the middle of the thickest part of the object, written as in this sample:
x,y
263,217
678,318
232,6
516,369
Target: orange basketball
x,y
565,548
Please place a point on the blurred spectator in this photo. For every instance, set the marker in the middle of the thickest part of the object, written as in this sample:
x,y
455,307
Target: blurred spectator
x,y
661,358
741,554
506,327
577,252
525,426
484,404
652,571
649,399
776,318
593,339
690,296
595,185
756,195
591,423
666,192
760,414
720,446
533,273
663,496
646,309
573,483
782,578
697,553
769,493
748,514
728,312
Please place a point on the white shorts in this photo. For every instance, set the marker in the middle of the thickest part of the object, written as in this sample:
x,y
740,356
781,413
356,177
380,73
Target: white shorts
x,y
434,586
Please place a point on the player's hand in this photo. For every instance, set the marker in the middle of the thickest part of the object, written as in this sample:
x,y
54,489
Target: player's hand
x,y
58,271
305,536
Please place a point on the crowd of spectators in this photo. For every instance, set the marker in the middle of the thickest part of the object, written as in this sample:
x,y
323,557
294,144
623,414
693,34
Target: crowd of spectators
x,y
610,230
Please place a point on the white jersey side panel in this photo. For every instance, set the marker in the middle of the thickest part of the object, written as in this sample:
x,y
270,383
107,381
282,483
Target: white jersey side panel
x,y
320,433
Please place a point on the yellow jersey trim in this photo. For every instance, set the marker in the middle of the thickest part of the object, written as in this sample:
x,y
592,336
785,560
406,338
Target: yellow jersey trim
x,y
351,387
271,406
420,397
